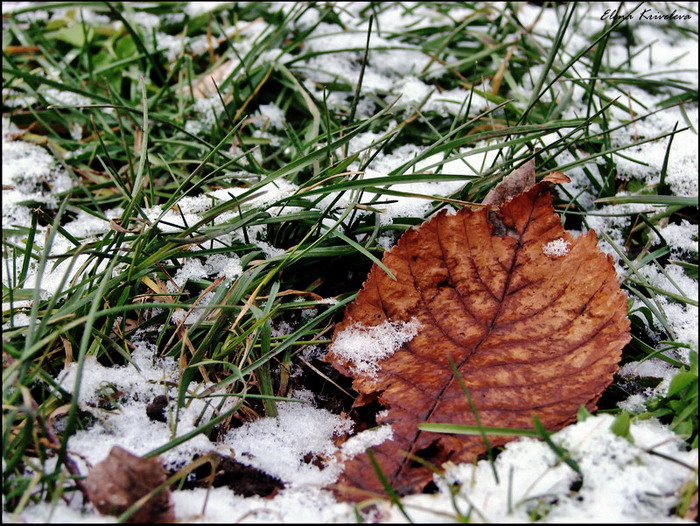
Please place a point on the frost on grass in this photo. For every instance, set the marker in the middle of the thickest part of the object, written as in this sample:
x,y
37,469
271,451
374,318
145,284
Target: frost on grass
x,y
272,116
214,266
189,210
275,191
195,314
653,367
622,481
32,178
365,347
611,222
67,270
197,8
207,111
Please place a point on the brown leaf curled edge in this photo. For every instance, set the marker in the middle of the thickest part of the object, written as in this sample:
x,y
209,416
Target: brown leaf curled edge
x,y
533,319
121,479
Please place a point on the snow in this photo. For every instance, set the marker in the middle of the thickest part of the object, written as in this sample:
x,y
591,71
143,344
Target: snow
x,y
198,8
681,238
277,446
207,110
298,430
557,248
174,45
683,318
612,221
465,163
31,176
279,189
365,347
190,269
26,170
47,512
653,367
622,481
357,444
416,95
273,115
298,505
190,210
132,387
222,265
648,368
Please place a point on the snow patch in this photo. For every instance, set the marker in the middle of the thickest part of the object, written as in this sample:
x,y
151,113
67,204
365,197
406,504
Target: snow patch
x,y
621,482
279,445
365,347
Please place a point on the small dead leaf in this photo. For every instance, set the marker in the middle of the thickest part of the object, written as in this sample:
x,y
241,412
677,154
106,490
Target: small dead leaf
x,y
115,224
556,178
121,479
68,347
530,333
498,77
515,183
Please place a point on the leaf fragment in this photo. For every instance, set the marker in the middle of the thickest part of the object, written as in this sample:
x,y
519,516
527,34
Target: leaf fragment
x,y
515,183
121,479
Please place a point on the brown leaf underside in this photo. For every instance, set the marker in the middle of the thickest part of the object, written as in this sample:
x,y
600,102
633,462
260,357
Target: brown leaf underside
x,y
530,334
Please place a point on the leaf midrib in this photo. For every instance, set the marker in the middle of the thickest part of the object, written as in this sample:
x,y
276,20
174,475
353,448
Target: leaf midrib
x,y
451,378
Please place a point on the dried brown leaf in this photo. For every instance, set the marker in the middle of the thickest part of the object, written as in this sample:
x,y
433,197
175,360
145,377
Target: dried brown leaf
x,y
556,178
515,183
121,479
533,318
